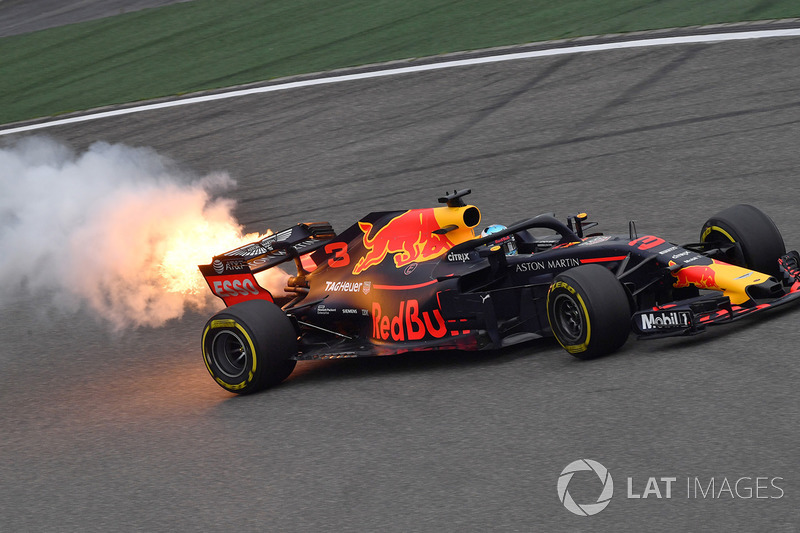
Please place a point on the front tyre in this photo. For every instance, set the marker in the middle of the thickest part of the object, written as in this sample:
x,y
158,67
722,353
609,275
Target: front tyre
x,y
759,243
589,311
249,346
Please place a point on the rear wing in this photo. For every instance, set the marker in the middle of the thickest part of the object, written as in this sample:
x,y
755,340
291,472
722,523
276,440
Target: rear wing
x,y
230,275
283,246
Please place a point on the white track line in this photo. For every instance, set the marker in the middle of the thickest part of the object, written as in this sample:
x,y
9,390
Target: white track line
x,y
690,39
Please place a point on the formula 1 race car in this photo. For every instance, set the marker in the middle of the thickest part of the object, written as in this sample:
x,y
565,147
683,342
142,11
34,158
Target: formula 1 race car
x,y
422,280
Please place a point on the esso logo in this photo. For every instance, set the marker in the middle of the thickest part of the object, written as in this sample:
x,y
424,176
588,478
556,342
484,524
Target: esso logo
x,y
230,288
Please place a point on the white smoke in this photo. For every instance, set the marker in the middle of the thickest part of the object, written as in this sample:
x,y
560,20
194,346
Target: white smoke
x,y
114,229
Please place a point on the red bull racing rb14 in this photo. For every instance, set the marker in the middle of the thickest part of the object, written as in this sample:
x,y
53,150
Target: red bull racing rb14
x,y
426,279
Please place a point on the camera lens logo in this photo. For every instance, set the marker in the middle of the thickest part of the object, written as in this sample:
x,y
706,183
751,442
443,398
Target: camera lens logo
x,y
586,509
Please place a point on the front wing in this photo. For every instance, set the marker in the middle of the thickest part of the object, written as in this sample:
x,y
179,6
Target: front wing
x,y
689,317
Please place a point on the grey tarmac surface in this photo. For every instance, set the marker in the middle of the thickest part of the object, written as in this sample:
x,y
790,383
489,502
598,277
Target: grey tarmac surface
x,y
126,431
24,16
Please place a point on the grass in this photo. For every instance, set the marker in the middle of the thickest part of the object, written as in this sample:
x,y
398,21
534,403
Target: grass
x,y
208,44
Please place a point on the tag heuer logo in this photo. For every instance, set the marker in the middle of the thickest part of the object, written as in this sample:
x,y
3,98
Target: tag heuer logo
x,y
366,286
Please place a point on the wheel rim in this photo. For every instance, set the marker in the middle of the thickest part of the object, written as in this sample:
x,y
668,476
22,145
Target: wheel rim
x,y
568,318
734,256
229,354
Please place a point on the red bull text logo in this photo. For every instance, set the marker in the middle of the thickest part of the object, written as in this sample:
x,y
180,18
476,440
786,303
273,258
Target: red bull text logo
x,y
409,236
408,324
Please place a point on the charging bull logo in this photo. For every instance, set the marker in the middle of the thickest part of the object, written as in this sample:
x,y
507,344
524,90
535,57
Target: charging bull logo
x,y
701,276
409,236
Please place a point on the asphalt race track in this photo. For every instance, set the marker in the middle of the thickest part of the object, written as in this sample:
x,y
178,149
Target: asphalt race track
x,y
126,431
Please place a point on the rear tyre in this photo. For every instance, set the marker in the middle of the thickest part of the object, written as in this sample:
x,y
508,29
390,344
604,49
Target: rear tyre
x,y
589,311
760,244
248,346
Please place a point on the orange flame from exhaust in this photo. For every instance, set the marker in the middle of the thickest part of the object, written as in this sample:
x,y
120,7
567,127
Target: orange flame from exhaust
x,y
190,247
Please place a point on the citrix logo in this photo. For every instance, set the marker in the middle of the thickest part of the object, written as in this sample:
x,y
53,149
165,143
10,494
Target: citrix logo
x,y
586,509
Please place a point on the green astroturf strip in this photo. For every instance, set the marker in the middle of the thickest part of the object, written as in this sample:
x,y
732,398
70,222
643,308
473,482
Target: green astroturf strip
x,y
208,44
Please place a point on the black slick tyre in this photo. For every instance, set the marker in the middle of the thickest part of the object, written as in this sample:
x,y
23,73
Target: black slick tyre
x,y
760,244
589,311
249,346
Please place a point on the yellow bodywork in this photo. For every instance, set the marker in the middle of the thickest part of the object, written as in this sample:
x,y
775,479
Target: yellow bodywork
x,y
731,280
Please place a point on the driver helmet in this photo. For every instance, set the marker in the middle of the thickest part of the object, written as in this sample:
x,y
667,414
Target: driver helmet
x,y
506,241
